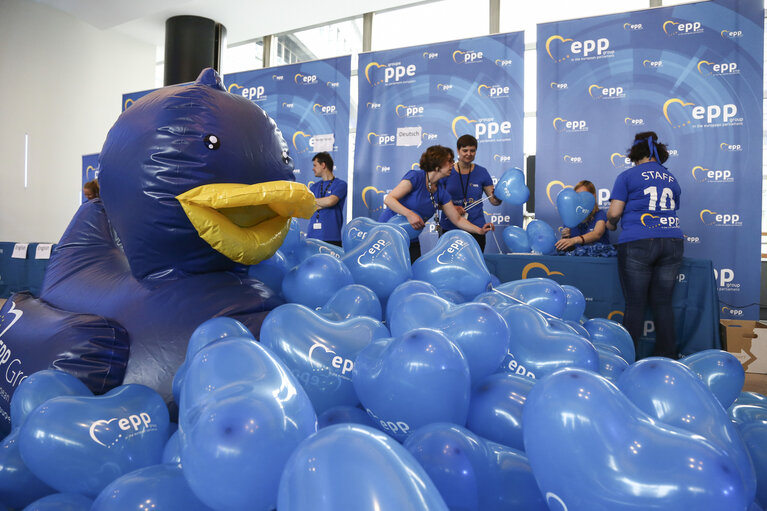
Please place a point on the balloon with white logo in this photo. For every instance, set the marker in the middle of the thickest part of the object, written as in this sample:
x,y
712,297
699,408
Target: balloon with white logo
x,y
511,187
574,207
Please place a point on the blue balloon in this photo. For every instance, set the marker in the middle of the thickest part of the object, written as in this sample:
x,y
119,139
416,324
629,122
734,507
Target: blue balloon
x,y
344,415
292,242
580,329
748,407
495,410
272,271
315,280
673,394
320,352
18,485
61,502
412,380
403,222
340,468
511,187
721,371
312,246
483,344
592,448
381,261
611,364
241,415
574,207
404,290
352,301
38,388
455,264
576,303
515,239
81,444
537,350
355,231
172,452
541,237
160,487
542,294
562,326
754,435
472,473
609,333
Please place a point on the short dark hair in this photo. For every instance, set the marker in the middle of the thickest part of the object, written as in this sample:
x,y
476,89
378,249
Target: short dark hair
x,y
640,149
465,141
434,157
324,157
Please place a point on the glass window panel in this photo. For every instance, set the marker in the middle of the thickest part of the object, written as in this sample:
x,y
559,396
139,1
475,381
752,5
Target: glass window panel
x,y
243,57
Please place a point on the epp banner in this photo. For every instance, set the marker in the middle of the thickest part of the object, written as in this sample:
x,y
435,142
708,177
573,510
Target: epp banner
x,y
90,171
412,98
692,74
309,102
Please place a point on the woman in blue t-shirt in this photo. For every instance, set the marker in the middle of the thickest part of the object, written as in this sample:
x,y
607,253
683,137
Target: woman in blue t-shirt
x,y
650,246
592,229
420,195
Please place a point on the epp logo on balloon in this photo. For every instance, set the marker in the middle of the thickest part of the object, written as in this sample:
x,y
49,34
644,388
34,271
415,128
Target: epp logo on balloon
x,y
551,185
539,266
129,426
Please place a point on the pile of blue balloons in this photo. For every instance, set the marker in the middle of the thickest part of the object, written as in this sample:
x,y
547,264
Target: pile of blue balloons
x,y
537,237
383,385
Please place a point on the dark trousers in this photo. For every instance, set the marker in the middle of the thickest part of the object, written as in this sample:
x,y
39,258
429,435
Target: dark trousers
x,y
648,269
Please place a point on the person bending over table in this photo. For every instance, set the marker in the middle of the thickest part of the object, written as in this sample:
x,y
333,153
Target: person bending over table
x,y
466,186
591,230
650,247
420,195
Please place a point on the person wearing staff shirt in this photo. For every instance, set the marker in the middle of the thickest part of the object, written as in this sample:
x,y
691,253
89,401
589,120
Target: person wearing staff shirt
x,y
330,192
645,199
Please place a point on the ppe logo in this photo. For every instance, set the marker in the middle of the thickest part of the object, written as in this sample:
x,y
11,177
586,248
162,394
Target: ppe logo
x,y
430,55
653,221
467,57
724,146
632,27
408,111
731,34
252,93
444,87
381,138
725,279
107,432
373,106
735,313
564,126
501,158
324,109
392,74
429,136
539,266
502,62
572,159
619,161
652,64
332,85
303,79
708,68
337,362
370,198
709,217
448,255
383,169
575,51
483,128
553,184
493,91
674,28
599,92
558,86
631,122
497,219
278,78
701,175
678,115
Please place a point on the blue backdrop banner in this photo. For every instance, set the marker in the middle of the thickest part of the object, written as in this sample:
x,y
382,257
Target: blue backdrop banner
x,y
691,73
131,97
412,98
90,171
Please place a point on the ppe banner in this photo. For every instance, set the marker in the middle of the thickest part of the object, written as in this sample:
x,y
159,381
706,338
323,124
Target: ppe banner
x,y
691,73
416,97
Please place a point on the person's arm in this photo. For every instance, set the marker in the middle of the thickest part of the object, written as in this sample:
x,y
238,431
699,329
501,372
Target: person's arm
x,y
614,213
490,192
452,214
583,239
327,202
393,199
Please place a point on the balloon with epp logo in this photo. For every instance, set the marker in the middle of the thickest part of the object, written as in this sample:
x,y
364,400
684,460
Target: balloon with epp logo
x,y
574,207
355,231
511,187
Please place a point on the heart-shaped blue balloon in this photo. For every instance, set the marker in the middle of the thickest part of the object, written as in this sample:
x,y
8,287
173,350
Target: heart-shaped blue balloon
x,y
609,333
574,207
721,371
38,388
748,407
671,393
537,350
344,415
511,187
579,328
81,444
319,352
172,451
515,239
575,303
472,473
611,364
561,325
455,264
478,330
356,230
381,261
404,290
241,415
495,410
272,271
754,435
350,302
61,502
541,237
315,280
313,246
340,468
400,220
413,380
592,448
160,487
542,294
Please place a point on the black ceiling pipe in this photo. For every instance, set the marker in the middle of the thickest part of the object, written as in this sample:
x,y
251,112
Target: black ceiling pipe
x,y
192,43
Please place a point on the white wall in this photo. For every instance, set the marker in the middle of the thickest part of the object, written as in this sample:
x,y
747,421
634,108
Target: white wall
x,y
61,82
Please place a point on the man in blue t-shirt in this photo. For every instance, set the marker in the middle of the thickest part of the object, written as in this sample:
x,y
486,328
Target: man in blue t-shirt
x,y
330,192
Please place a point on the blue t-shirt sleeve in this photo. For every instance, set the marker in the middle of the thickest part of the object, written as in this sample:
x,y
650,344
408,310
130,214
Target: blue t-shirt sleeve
x,y
339,189
413,177
620,189
442,196
601,215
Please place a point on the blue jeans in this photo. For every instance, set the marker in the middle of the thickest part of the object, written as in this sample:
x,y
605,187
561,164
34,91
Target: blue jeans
x,y
648,269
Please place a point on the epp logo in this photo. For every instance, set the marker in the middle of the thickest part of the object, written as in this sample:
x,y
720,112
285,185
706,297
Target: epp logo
x,y
709,217
725,278
652,221
631,122
731,34
380,138
332,85
692,239
724,146
701,175
408,111
324,109
373,106
346,365
446,256
444,87
563,125
278,78
652,64
88,170
732,312
100,430
287,105
303,79
710,113
302,142
430,55
672,28
252,93
501,158
706,67
502,62
383,169
539,266
551,185
429,136
632,26
558,86
572,159
490,128
493,91
599,92
584,48
467,57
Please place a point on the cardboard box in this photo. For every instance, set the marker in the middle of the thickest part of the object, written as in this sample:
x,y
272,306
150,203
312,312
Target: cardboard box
x,y
747,340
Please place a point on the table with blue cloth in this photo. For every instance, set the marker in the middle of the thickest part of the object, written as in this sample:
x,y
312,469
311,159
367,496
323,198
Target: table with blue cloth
x,y
695,300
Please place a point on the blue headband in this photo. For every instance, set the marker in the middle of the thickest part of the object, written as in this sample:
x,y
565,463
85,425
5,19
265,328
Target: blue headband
x,y
650,145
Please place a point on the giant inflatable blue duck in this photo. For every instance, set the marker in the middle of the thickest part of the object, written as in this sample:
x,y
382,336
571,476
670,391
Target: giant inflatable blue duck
x,y
196,183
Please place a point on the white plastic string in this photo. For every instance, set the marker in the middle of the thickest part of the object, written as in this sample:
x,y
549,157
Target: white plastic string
x,y
495,290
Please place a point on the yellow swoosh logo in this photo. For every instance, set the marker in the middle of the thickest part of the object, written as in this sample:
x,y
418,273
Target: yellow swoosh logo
x,y
550,185
554,38
532,266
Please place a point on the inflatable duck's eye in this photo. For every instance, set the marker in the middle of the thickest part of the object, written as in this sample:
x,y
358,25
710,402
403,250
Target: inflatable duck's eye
x,y
212,142
285,157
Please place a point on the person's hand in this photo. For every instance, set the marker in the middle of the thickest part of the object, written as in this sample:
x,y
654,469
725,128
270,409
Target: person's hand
x,y
565,232
415,220
487,227
565,243
460,210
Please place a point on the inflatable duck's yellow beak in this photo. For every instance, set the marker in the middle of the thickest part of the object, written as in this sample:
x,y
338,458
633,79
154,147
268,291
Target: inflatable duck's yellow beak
x,y
246,223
